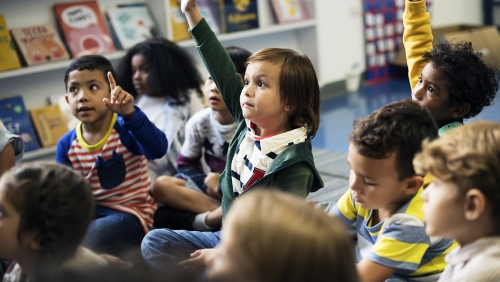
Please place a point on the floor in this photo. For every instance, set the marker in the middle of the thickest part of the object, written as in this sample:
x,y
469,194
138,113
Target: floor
x,y
338,112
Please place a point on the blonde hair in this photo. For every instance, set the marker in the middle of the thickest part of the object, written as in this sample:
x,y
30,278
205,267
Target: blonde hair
x,y
299,87
281,238
468,156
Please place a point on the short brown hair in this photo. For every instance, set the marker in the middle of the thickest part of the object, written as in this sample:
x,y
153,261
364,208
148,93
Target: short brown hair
x,y
398,127
299,88
468,156
281,238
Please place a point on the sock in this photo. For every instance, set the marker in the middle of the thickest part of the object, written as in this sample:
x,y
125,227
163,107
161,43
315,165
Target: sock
x,y
199,223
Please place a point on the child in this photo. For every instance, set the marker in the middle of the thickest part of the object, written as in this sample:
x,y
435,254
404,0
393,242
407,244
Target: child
x,y
384,196
277,114
11,149
45,210
315,246
450,80
463,201
109,147
165,83
208,132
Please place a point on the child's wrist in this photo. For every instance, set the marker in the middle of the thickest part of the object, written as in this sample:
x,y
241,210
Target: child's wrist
x,y
128,116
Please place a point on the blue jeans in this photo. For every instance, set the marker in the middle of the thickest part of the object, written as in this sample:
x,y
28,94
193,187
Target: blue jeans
x,y
162,249
113,232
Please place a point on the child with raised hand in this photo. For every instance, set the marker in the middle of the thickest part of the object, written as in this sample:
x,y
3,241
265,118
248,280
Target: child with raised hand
x,y
384,199
450,80
253,248
45,210
276,110
463,201
208,133
110,147
165,83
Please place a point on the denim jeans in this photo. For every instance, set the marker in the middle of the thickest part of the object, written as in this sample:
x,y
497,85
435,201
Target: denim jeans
x,y
113,232
162,249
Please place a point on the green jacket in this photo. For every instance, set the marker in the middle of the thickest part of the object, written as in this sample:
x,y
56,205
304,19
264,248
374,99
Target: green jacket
x,y
293,170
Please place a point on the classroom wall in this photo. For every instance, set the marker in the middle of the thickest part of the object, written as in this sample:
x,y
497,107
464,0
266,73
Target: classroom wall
x,y
340,33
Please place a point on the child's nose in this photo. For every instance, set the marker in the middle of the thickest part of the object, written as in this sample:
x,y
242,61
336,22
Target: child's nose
x,y
82,96
417,94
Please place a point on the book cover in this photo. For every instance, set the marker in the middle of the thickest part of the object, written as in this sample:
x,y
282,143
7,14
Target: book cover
x,y
178,22
50,124
39,44
15,117
84,28
240,15
211,10
131,24
289,10
8,54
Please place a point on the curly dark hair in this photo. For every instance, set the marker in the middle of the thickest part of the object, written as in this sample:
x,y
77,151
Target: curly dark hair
x,y
54,203
172,71
90,62
397,127
470,80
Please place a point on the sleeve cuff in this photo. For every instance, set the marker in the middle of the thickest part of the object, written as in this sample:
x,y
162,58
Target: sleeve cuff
x,y
201,32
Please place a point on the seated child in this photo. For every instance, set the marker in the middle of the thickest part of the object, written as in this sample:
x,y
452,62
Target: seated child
x,y
165,83
450,80
208,133
11,149
45,210
463,201
109,147
276,110
253,248
384,196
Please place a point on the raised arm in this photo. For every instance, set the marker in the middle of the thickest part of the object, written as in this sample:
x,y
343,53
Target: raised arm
x,y
417,37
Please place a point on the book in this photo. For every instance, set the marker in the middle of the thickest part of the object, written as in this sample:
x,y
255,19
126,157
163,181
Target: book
x,y
83,27
179,26
239,15
8,55
211,10
60,100
50,124
39,44
15,117
131,24
289,10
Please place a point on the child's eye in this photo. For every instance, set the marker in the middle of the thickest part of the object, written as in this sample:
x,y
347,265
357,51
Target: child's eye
x,y
72,89
260,83
209,78
93,87
144,70
419,79
247,81
369,183
430,89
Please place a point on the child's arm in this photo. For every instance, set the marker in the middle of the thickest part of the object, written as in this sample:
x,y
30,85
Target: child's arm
x,y
215,57
370,271
417,37
147,139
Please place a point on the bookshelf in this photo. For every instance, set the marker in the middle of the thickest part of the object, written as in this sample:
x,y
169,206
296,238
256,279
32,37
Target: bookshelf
x,y
36,83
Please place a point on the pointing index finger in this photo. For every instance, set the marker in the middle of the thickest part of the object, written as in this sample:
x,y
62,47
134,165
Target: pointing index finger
x,y
112,82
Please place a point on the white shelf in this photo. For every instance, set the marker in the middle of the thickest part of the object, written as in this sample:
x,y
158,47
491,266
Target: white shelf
x,y
43,152
51,66
256,32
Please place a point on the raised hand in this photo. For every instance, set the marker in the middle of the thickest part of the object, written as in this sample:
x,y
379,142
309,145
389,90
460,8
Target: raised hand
x,y
121,101
193,15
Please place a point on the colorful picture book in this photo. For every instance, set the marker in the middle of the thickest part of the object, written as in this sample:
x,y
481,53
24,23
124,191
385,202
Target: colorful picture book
x,y
39,44
239,15
211,10
178,22
15,117
131,24
289,10
50,124
8,55
83,28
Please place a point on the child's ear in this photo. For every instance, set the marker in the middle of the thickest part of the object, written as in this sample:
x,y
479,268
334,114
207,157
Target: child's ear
x,y
475,204
461,110
66,98
413,183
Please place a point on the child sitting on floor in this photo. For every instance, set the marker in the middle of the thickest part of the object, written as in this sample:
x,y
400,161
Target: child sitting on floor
x,y
384,196
281,239
450,80
463,201
109,147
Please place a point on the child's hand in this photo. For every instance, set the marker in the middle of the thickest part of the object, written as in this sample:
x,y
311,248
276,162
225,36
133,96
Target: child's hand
x,y
212,182
193,15
188,6
121,102
200,259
